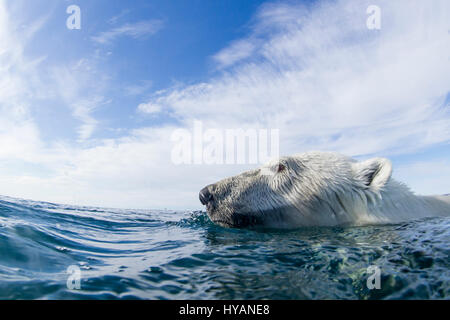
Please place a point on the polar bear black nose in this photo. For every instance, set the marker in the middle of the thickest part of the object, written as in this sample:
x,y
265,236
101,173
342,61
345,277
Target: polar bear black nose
x,y
205,196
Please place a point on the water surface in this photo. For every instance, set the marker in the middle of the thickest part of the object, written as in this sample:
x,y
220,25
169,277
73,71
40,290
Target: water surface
x,y
139,254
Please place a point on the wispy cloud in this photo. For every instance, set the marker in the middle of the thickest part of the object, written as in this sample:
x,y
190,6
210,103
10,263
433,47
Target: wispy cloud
x,y
134,30
19,134
149,108
236,52
138,89
426,177
81,86
116,18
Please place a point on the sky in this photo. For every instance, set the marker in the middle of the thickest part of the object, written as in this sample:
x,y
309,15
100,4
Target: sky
x,y
88,115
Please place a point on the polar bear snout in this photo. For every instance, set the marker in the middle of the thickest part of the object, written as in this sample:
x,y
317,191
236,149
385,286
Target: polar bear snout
x,y
205,196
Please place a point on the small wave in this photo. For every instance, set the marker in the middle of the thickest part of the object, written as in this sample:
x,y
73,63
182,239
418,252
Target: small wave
x,y
195,219
141,254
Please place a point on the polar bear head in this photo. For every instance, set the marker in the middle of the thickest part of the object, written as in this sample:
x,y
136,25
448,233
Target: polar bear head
x,y
314,188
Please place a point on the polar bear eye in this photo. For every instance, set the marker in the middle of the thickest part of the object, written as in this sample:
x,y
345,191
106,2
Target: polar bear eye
x,y
281,167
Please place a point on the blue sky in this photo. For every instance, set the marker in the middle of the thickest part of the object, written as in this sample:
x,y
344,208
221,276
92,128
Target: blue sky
x,y
190,33
86,115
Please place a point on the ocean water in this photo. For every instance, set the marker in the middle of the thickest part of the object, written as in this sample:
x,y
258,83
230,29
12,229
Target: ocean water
x,y
138,254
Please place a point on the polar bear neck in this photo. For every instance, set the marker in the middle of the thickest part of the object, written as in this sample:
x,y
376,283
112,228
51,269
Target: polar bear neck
x,y
352,205
397,203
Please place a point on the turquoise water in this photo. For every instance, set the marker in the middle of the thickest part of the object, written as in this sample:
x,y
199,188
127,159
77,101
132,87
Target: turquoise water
x,y
138,254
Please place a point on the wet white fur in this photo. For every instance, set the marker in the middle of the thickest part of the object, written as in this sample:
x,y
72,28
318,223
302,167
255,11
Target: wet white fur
x,y
324,189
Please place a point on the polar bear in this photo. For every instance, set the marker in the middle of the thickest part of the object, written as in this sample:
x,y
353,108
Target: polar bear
x,y
317,189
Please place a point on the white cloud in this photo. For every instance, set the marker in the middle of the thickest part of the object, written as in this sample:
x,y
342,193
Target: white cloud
x,y
327,82
130,172
133,30
149,108
114,19
19,136
426,177
80,85
82,110
236,52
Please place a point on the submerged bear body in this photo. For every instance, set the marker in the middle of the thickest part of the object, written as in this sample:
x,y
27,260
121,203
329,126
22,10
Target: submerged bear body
x,y
317,189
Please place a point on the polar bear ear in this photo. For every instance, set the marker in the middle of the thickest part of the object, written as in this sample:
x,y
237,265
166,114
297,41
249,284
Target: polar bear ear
x,y
374,173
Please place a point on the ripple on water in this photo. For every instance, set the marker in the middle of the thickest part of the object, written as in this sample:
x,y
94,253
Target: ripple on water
x,y
125,254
